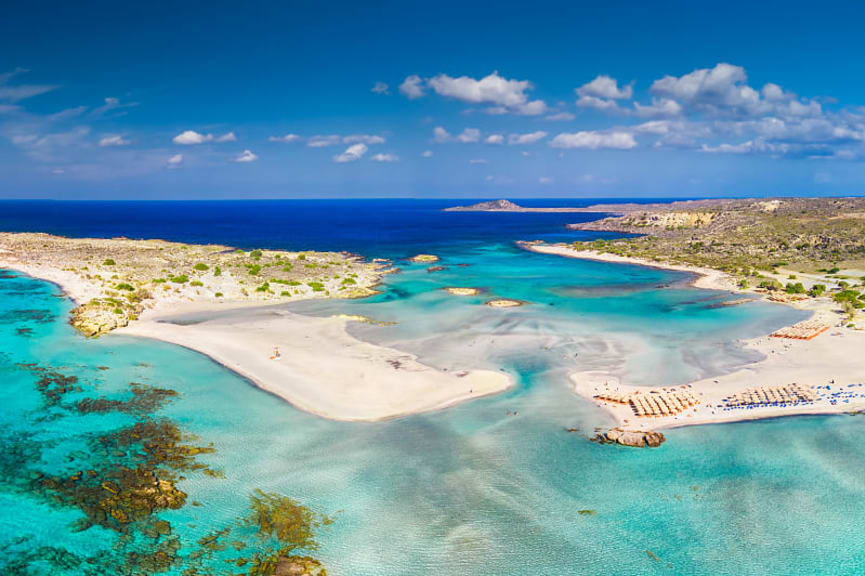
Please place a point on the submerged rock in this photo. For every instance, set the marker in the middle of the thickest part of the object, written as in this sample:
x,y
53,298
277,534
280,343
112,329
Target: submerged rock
x,y
635,438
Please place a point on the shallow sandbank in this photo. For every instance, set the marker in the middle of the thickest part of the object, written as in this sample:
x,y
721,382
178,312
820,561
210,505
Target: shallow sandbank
x,y
321,368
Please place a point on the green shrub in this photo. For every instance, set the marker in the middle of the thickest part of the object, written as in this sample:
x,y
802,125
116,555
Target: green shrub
x,y
316,286
301,256
217,271
817,290
196,283
770,284
109,262
263,288
180,279
796,288
253,270
201,266
125,286
218,294
255,254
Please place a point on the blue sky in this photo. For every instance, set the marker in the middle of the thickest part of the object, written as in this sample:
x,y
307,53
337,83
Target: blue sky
x,y
430,99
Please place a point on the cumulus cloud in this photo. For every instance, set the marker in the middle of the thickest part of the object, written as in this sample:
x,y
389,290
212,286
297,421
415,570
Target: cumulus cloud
x,y
560,117
384,157
495,139
113,140
352,153
502,95
529,138
592,139
427,154
604,86
379,88
191,137
412,87
287,138
467,136
602,93
245,156
175,161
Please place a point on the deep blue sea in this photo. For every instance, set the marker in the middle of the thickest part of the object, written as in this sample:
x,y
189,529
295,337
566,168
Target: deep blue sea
x,y
495,486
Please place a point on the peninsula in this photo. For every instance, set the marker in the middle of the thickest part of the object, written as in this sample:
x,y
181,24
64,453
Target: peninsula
x,y
223,302
805,253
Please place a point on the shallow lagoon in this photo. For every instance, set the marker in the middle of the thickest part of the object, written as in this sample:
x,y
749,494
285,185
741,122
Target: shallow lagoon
x,y
471,490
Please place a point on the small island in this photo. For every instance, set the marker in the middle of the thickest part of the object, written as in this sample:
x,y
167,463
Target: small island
x,y
503,205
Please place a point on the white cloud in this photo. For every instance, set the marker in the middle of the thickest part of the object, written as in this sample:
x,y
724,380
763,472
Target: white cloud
x,y
478,161
189,137
246,156
604,86
13,94
504,96
529,138
384,157
365,138
113,140
286,139
427,154
560,117
658,107
592,139
495,139
545,180
336,139
379,88
602,93
412,87
757,145
352,153
441,135
323,141
175,161
467,136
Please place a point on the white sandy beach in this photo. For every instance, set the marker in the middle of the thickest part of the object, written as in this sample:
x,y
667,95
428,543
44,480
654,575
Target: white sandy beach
x,y
833,359
322,369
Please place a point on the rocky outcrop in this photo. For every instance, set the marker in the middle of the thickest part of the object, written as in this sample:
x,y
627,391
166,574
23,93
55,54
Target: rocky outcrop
x,y
424,258
99,316
635,438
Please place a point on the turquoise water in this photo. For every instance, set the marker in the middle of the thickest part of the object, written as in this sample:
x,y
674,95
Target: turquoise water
x,y
468,490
